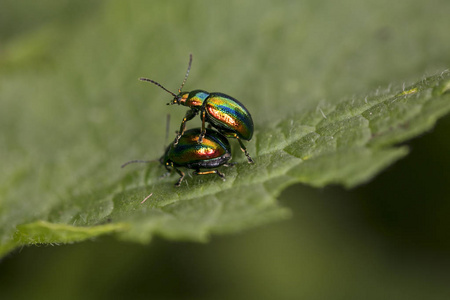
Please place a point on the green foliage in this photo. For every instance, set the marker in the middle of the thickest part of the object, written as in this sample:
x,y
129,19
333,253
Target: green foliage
x,y
73,112
344,144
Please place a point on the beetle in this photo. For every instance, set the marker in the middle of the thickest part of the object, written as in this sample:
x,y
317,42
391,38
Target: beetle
x,y
214,151
223,112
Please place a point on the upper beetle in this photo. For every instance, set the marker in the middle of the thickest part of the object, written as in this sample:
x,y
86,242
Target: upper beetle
x,y
223,112
214,151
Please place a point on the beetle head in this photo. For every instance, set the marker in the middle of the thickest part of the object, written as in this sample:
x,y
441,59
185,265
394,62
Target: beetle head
x,y
179,99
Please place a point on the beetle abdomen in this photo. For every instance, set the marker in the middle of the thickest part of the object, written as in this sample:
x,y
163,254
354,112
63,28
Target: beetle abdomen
x,y
227,113
210,163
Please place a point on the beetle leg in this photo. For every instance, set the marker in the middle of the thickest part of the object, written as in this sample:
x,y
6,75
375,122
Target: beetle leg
x,y
202,134
249,159
168,167
190,114
229,164
181,177
221,175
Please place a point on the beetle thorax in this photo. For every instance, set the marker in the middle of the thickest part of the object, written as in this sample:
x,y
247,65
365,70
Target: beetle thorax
x,y
193,99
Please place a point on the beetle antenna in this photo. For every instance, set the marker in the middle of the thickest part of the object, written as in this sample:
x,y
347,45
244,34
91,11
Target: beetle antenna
x,y
187,73
154,82
137,161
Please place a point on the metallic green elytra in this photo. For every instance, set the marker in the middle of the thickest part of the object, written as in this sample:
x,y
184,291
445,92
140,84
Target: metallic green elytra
x,y
214,151
223,112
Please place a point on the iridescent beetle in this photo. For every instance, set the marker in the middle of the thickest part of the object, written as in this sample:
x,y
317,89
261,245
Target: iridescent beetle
x,y
223,112
214,151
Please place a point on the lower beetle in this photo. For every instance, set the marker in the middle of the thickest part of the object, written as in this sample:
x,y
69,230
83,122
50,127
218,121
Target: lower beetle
x,y
214,151
221,111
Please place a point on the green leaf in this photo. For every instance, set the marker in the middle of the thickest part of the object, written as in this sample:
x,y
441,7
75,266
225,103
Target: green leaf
x,y
345,144
75,114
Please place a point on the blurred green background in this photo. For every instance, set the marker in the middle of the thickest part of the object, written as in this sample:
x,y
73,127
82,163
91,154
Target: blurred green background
x,y
387,239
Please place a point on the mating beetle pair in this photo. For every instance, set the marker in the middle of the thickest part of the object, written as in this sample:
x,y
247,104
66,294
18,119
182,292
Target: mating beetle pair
x,y
206,148
223,112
